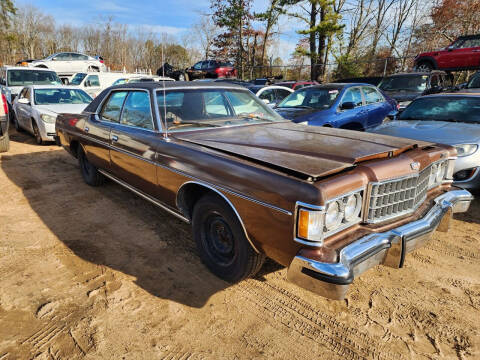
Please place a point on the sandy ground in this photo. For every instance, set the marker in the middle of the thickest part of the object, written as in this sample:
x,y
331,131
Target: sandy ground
x,y
98,273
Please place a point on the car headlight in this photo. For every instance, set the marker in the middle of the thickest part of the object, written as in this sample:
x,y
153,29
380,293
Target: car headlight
x,y
439,172
314,224
466,149
49,119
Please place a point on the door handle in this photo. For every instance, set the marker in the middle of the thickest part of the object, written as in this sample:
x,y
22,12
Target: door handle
x,y
475,50
114,138
87,129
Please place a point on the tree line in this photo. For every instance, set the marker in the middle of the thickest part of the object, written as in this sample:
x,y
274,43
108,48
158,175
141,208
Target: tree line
x,y
336,38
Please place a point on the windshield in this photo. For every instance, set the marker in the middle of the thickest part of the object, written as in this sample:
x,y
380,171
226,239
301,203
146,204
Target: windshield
x,y
457,109
78,78
416,83
202,108
61,96
311,98
474,82
32,77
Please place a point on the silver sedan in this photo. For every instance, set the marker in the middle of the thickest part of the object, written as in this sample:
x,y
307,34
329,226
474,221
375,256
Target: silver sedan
x,y
452,119
37,106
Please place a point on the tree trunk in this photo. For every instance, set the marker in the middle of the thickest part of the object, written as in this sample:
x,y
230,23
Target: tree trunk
x,y
313,45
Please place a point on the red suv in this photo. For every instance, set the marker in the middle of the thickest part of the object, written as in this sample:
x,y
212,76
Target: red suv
x,y
462,54
212,69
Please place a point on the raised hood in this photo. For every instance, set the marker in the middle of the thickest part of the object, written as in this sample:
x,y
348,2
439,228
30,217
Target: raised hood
x,y
304,150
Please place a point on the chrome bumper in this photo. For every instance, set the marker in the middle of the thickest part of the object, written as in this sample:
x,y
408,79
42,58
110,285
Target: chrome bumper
x,y
389,248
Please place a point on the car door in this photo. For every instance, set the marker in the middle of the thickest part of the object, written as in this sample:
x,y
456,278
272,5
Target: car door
x,y
78,63
61,63
350,116
474,50
133,143
457,55
92,85
98,128
376,107
24,111
18,108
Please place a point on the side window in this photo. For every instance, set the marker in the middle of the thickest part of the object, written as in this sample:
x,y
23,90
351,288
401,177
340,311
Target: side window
x,y
268,95
79,57
22,93
136,111
215,104
372,96
198,66
205,65
28,94
92,81
353,95
113,107
282,94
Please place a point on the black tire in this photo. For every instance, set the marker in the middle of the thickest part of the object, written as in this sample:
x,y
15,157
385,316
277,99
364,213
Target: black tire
x,y
15,123
424,66
4,143
36,133
93,69
221,241
89,172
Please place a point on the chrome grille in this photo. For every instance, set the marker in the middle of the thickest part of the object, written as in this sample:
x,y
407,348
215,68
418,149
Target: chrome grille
x,y
393,198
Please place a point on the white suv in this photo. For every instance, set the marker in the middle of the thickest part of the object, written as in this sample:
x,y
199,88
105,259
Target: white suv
x,y
69,63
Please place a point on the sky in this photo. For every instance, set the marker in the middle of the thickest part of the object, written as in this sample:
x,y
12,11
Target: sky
x,y
173,17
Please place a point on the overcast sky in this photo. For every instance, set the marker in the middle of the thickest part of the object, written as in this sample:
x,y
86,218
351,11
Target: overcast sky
x,y
174,17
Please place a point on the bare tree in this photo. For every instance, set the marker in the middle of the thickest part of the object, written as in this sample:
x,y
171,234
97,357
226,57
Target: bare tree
x,y
205,32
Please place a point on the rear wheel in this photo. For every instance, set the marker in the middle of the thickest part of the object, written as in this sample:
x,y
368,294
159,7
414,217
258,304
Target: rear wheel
x,y
424,66
89,172
221,241
36,133
4,143
93,69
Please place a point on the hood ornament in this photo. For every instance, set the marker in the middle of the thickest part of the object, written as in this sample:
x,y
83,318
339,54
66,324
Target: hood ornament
x,y
415,165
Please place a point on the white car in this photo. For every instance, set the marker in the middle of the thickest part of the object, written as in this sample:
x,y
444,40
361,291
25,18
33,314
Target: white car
x,y
37,106
270,95
68,63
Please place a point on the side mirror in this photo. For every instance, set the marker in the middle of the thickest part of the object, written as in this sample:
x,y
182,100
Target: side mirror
x,y
54,59
347,106
24,101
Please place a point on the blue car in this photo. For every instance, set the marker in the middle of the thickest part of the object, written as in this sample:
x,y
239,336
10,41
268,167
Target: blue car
x,y
348,106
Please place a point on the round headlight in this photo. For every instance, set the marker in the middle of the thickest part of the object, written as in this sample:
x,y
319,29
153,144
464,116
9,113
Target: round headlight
x,y
440,172
353,206
333,216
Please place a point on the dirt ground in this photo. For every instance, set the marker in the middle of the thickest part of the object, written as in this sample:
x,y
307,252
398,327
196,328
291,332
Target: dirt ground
x,y
98,273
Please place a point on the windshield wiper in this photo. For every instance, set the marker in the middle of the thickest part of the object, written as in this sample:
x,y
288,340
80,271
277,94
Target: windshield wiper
x,y
199,124
254,117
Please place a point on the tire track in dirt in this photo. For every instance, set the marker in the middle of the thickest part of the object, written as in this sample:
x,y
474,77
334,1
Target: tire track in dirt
x,y
301,317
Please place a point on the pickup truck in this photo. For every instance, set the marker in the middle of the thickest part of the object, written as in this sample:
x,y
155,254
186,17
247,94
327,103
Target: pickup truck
x,y
327,203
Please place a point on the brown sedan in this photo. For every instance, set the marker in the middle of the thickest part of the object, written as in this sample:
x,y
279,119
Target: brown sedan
x,y
328,203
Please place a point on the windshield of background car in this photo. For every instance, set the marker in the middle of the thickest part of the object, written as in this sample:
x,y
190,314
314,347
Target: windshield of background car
x,y
461,109
474,82
312,98
78,78
201,108
416,83
61,96
32,77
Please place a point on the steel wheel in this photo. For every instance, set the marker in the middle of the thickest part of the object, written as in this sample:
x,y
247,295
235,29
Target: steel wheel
x,y
424,67
218,239
181,77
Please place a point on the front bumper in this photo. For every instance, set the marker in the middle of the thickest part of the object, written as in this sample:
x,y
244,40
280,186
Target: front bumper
x,y
388,248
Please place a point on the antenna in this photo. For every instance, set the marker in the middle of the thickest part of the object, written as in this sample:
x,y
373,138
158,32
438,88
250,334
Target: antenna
x,y
164,97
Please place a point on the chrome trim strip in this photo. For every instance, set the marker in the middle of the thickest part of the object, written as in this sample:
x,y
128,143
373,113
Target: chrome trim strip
x,y
387,248
227,201
145,196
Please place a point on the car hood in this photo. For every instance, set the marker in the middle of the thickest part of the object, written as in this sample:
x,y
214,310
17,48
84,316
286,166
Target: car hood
x,y
440,132
300,150
470,91
295,113
62,108
401,96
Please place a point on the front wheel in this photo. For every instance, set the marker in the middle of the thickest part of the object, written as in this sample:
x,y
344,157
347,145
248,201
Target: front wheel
x,y
15,122
89,172
36,133
4,143
221,241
